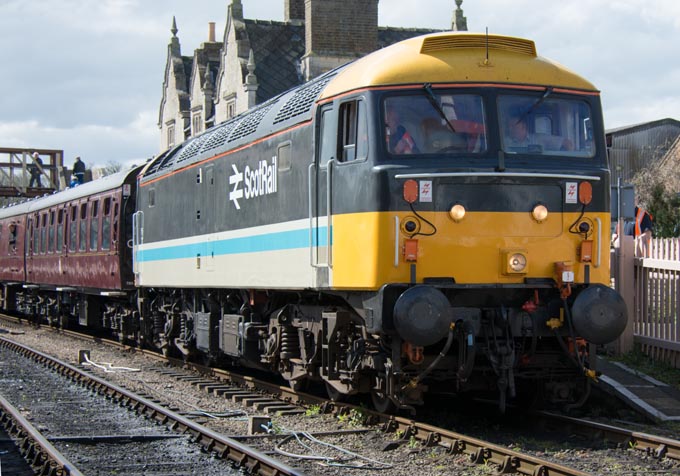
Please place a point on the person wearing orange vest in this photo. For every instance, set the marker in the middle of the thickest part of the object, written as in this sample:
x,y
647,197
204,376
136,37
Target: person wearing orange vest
x,y
399,141
643,232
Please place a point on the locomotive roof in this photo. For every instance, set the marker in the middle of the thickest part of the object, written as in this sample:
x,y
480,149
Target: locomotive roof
x,y
90,188
286,110
448,57
455,57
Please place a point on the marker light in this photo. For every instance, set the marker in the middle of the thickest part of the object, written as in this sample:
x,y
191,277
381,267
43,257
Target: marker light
x,y
540,213
585,193
517,262
410,191
457,212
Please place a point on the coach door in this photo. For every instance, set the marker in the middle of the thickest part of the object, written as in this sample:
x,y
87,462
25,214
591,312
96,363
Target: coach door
x,y
320,203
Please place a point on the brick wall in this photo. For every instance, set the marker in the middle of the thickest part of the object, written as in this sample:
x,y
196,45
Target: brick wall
x,y
332,27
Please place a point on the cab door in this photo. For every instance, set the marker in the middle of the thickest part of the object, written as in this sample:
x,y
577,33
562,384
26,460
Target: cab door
x,y
320,203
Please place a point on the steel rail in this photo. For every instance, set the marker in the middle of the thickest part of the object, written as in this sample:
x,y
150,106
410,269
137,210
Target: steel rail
x,y
479,451
657,446
34,447
242,455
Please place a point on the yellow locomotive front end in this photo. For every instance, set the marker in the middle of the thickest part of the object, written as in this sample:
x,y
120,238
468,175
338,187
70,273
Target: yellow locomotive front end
x,y
477,253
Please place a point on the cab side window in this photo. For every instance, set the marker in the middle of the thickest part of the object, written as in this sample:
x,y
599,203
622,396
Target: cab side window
x,y
353,131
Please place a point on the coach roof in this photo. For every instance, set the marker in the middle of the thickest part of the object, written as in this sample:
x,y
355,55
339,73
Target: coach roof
x,y
90,188
454,57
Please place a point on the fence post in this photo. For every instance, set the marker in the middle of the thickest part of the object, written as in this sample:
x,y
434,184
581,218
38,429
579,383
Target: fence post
x,y
625,285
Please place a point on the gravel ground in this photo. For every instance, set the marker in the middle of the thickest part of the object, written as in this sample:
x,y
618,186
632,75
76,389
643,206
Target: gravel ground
x,y
62,410
405,460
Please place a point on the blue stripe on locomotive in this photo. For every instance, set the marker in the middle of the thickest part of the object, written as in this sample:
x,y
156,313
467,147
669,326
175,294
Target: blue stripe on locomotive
x,y
284,240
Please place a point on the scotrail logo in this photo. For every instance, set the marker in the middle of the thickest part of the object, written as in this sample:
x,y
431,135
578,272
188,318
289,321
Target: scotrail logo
x,y
256,182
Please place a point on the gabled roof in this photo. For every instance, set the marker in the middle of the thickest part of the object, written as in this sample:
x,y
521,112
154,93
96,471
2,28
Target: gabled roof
x,y
278,48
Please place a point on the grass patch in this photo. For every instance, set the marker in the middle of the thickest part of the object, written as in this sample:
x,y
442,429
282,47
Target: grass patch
x,y
638,360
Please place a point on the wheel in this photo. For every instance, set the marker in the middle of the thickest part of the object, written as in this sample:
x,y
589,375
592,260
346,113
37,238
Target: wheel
x,y
334,394
382,403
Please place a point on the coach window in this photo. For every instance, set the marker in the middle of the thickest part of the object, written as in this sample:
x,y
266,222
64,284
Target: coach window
x,y
13,234
43,233
36,234
50,234
60,230
353,131
94,225
27,236
106,224
73,229
82,240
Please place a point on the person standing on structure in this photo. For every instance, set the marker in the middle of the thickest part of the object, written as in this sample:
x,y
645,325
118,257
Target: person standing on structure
x,y
36,171
79,170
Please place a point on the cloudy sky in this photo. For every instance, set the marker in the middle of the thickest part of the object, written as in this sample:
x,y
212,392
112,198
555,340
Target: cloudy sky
x,y
85,76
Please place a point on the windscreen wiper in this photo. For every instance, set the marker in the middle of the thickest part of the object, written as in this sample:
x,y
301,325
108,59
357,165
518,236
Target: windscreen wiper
x,y
435,104
538,102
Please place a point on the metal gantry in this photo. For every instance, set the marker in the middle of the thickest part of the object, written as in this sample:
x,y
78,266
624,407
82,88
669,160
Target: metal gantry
x,y
15,167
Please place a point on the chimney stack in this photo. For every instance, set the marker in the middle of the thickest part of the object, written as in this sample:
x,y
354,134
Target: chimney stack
x,y
211,32
293,10
336,34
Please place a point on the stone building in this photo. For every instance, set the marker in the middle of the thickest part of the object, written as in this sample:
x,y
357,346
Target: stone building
x,y
257,60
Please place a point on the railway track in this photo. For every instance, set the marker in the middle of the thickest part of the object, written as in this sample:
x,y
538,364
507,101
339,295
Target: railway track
x,y
38,452
263,395
219,445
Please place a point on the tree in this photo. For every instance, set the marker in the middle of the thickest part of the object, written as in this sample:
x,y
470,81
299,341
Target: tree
x,y
657,188
111,167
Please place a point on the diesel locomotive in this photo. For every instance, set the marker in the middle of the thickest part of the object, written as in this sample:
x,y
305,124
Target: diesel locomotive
x,y
432,217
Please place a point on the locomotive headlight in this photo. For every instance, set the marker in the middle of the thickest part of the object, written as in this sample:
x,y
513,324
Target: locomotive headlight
x,y
517,262
457,212
514,261
539,213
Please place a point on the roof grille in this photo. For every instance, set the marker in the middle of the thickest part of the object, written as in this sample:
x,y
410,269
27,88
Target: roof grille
x,y
193,148
163,161
249,123
302,100
218,137
501,43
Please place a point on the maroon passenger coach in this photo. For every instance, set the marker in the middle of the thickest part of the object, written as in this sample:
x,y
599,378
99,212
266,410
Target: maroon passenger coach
x,y
63,253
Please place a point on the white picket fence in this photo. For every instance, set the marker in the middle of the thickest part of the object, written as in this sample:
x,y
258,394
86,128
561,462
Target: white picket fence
x,y
656,300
